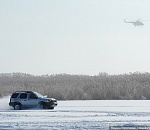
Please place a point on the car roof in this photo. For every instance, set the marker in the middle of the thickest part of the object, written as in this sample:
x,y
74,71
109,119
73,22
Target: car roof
x,y
24,92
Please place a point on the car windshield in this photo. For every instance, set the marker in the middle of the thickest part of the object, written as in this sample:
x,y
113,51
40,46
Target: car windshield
x,y
39,95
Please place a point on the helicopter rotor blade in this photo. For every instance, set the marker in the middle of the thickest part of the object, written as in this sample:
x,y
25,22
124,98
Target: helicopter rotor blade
x,y
145,20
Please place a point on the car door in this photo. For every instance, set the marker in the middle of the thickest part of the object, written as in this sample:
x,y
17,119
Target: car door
x,y
24,99
33,99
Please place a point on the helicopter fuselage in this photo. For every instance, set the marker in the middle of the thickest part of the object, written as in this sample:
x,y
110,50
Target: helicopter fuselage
x,y
137,23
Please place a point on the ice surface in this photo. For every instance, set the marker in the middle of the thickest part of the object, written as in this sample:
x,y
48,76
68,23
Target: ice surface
x,y
89,114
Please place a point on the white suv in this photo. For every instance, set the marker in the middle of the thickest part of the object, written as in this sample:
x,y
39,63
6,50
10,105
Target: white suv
x,y
30,99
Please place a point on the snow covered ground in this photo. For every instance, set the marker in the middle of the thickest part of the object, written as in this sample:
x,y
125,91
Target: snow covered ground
x,y
97,114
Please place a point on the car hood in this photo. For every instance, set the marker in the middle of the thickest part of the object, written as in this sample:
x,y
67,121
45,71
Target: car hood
x,y
52,99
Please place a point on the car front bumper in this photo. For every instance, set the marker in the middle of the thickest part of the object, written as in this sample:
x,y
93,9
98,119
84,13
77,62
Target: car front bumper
x,y
51,104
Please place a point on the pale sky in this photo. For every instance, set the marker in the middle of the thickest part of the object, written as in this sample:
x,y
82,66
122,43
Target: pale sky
x,y
74,36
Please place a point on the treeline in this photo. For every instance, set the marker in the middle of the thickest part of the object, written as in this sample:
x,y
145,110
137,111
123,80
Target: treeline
x,y
132,86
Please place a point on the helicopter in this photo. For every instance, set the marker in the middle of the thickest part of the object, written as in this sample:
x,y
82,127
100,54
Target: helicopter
x,y
135,23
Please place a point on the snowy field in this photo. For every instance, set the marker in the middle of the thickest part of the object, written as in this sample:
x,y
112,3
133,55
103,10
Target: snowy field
x,y
69,115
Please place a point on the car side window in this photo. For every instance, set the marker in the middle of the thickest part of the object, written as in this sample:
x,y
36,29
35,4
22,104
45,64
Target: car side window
x,y
23,96
15,95
33,96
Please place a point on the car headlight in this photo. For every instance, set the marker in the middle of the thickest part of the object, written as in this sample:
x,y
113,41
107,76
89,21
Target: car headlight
x,y
47,101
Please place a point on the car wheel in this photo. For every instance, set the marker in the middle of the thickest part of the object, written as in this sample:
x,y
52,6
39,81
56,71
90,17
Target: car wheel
x,y
41,106
17,107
